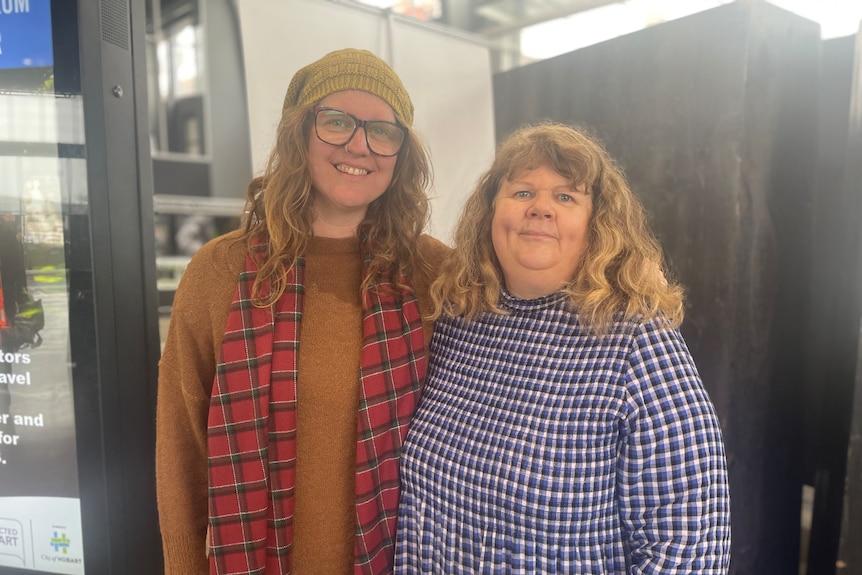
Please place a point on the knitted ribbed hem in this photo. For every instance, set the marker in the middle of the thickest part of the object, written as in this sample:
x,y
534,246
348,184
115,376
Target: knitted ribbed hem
x,y
185,555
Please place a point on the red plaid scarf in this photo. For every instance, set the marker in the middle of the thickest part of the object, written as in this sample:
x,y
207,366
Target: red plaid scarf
x,y
252,426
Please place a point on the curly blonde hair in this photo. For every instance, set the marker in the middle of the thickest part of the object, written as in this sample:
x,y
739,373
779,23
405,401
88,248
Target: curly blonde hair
x,y
622,273
279,208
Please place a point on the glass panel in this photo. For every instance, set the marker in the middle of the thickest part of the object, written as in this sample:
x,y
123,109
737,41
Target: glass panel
x,y
42,180
175,69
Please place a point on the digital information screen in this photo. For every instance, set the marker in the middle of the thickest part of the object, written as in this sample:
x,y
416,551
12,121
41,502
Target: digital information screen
x,y
40,184
25,34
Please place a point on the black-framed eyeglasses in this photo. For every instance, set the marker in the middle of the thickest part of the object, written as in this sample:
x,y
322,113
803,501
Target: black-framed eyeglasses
x,y
337,128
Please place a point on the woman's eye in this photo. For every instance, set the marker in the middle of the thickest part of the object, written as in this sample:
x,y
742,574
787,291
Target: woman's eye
x,y
522,194
335,121
566,198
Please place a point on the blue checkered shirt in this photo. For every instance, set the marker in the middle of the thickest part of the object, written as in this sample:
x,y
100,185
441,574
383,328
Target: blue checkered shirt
x,y
540,448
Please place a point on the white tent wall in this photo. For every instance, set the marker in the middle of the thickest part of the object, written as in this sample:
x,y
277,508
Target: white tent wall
x,y
447,74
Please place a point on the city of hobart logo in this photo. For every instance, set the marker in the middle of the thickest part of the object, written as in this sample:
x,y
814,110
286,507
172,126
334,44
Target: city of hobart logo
x,y
60,541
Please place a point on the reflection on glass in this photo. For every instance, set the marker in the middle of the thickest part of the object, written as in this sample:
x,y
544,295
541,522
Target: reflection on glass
x,y
42,182
184,44
175,69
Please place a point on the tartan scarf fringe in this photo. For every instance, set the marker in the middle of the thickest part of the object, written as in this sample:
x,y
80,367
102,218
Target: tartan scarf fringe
x,y
251,428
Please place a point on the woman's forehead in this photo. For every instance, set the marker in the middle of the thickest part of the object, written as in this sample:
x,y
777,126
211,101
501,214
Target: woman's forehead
x,y
360,103
517,173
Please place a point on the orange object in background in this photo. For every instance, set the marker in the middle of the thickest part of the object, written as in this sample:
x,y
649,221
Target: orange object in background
x,y
3,322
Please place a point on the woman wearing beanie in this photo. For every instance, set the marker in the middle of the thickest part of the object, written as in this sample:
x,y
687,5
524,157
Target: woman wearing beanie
x,y
297,347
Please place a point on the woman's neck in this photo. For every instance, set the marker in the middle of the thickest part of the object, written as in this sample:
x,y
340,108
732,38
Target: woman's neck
x,y
336,221
325,229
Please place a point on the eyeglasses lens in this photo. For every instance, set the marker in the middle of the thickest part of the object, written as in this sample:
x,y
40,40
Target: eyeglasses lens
x,y
336,127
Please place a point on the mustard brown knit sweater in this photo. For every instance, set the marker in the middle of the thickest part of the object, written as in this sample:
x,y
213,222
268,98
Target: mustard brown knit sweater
x,y
327,399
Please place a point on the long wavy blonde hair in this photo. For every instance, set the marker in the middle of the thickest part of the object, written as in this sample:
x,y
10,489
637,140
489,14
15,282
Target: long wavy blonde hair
x,y
622,272
279,209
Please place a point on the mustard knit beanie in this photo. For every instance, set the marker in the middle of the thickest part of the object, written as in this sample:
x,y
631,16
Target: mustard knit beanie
x,y
350,69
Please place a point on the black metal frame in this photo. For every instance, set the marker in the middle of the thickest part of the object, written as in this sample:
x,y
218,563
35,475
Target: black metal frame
x,y
115,412
112,289
110,257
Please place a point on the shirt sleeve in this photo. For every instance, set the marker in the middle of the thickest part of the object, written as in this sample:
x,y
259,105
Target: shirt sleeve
x,y
672,473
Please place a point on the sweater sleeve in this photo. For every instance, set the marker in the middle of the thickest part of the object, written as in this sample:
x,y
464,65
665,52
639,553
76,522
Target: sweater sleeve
x,y
671,475
186,373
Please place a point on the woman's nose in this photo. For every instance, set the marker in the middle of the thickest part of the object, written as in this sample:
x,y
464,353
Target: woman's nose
x,y
357,144
541,208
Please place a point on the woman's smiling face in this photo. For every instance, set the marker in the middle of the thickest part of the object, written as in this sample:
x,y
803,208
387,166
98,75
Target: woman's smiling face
x,y
539,231
347,178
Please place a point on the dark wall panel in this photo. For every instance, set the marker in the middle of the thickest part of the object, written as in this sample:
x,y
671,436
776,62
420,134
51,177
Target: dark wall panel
x,y
835,306
712,118
849,560
850,550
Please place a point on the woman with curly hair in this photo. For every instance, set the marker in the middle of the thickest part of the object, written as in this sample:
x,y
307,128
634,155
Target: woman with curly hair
x,y
564,427
296,346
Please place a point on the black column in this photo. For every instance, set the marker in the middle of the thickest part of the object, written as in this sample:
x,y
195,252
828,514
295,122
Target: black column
x,y
115,411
